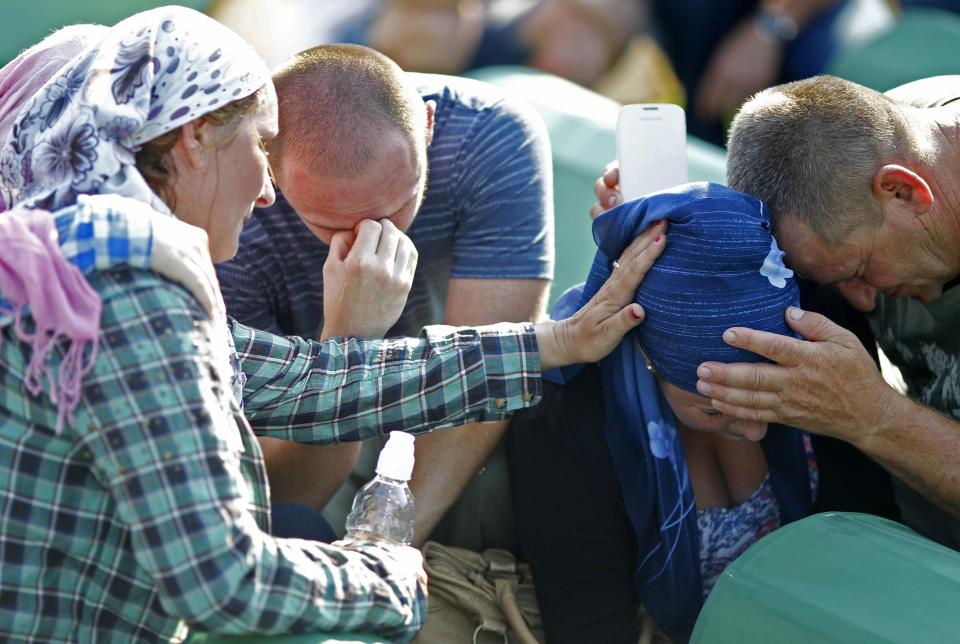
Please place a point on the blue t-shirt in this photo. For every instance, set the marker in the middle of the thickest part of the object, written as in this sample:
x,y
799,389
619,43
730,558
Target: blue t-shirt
x,y
487,214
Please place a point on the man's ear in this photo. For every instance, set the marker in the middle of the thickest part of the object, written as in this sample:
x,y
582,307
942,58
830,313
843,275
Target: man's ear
x,y
191,147
431,112
909,189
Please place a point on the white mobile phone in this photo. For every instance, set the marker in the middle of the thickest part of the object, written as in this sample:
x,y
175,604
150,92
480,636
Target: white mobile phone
x,y
651,148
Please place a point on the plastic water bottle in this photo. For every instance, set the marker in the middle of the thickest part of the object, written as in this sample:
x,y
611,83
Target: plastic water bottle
x,y
383,508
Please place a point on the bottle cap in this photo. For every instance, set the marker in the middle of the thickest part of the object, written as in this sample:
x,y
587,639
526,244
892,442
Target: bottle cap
x,y
396,457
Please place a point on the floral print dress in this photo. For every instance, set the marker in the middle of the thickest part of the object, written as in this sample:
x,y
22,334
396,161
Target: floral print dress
x,y
726,533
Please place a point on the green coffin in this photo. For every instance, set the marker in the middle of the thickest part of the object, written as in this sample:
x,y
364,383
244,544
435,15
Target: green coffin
x,y
850,578
26,22
925,42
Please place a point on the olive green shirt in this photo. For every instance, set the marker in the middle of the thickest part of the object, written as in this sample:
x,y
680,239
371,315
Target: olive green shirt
x,y
923,340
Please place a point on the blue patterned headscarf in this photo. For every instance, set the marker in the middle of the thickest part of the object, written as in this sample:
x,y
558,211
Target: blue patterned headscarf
x,y
148,75
721,268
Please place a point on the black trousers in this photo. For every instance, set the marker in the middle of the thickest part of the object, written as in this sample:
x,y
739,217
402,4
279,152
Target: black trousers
x,y
571,521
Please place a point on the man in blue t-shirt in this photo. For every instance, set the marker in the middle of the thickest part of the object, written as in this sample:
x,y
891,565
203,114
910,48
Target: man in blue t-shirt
x,y
358,139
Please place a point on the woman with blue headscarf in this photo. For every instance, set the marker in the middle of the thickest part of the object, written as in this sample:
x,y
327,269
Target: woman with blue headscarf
x,y
629,488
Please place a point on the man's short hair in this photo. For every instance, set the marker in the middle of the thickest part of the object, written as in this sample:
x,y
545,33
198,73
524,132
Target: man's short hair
x,y
810,149
336,102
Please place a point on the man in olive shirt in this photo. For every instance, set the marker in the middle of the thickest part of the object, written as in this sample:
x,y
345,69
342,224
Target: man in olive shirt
x,y
864,191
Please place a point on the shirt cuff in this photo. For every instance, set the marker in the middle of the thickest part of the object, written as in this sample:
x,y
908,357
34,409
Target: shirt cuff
x,y
511,361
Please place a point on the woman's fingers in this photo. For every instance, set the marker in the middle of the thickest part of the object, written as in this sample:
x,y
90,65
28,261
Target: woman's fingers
x,y
593,331
634,262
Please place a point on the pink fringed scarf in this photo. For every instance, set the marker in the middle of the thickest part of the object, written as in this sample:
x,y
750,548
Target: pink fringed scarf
x,y
36,280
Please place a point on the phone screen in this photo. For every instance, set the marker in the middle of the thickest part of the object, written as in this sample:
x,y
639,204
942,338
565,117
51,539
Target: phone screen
x,y
651,148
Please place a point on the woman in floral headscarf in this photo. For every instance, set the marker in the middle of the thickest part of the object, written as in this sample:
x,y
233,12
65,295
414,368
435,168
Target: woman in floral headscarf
x,y
148,509
164,244
629,488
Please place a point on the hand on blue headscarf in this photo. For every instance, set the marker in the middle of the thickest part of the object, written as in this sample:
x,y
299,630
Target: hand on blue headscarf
x,y
721,269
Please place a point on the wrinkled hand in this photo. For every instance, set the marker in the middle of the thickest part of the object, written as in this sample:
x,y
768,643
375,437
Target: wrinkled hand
x,y
744,63
181,253
366,280
409,559
607,190
405,566
593,331
827,384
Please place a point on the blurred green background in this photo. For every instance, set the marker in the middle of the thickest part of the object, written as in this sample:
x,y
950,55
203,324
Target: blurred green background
x,y
25,22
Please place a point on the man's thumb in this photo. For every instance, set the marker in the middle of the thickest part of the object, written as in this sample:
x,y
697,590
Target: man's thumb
x,y
813,326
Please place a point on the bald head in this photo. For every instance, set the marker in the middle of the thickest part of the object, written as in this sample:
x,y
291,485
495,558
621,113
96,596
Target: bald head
x,y
810,149
337,103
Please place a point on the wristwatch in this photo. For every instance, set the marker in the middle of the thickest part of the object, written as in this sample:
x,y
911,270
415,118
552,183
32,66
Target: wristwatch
x,y
775,24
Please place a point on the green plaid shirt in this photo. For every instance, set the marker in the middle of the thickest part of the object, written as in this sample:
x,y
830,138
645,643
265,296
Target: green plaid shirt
x,y
149,512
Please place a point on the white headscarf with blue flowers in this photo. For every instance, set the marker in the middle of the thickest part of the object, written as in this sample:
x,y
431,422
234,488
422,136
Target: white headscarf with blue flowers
x,y
150,74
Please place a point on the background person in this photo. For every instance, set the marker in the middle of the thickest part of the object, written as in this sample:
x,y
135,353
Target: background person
x,y
721,52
